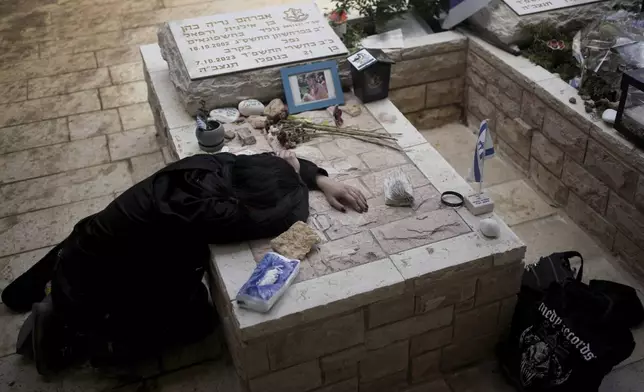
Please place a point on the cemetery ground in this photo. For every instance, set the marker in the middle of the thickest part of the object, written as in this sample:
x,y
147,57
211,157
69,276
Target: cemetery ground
x,y
76,130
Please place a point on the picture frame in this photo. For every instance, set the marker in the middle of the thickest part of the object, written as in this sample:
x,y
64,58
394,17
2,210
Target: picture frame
x,y
312,86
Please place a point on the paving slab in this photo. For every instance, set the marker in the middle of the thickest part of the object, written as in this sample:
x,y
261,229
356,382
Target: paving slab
x,y
132,143
68,187
626,379
555,234
38,229
455,142
18,374
43,161
86,125
43,133
10,324
516,202
485,377
146,165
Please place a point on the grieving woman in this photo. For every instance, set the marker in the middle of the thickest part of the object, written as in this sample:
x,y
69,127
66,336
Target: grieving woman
x,y
128,280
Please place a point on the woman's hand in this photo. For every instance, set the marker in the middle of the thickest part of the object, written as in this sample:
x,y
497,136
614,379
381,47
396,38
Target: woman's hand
x,y
340,195
289,156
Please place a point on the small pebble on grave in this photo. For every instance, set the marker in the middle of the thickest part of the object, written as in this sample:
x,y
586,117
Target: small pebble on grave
x,y
588,108
572,100
246,137
276,110
257,122
251,107
296,242
585,97
609,116
351,110
229,134
224,115
490,228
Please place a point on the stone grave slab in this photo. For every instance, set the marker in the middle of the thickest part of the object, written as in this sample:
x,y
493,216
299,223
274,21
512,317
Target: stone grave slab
x,y
225,58
526,7
378,282
505,19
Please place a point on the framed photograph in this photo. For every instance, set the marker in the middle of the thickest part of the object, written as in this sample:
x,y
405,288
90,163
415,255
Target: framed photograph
x,y
312,86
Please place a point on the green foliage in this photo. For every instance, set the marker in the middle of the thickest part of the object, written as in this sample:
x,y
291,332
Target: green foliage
x,y
557,61
429,8
376,11
353,36
631,7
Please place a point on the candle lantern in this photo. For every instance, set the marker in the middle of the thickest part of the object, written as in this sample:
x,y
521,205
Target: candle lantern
x,y
371,72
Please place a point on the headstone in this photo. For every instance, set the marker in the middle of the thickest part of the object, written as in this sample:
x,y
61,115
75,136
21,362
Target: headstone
x,y
225,58
506,19
527,7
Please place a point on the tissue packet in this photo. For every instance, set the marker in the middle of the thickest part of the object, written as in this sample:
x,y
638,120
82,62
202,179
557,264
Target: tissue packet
x,y
398,190
272,276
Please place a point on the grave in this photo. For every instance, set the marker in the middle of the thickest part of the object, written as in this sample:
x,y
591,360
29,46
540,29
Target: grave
x,y
211,58
389,297
505,19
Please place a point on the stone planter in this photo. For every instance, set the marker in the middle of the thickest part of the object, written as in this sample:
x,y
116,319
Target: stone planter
x,y
211,140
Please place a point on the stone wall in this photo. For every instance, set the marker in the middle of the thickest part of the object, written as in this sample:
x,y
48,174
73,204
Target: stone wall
x,y
584,165
441,322
428,78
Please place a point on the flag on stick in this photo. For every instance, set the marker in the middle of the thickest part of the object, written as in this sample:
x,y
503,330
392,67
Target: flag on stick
x,y
484,150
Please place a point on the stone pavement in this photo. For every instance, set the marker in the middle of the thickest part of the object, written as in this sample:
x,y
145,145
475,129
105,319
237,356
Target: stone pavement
x,y
76,130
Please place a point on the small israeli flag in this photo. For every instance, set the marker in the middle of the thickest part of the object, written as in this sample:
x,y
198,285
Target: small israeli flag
x,y
484,150
201,124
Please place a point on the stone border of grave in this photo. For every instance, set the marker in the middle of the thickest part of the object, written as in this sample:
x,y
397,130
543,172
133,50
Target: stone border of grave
x,y
370,314
580,162
400,320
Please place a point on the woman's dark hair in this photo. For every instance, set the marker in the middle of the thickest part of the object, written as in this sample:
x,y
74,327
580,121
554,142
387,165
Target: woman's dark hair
x,y
261,181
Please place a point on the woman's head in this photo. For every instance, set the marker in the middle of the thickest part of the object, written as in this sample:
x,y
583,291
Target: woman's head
x,y
311,80
263,180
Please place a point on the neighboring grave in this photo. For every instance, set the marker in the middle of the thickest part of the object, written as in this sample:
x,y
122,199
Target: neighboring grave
x,y
225,58
526,7
505,19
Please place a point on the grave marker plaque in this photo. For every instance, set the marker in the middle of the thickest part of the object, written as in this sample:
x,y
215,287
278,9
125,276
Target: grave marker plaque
x,y
227,43
527,7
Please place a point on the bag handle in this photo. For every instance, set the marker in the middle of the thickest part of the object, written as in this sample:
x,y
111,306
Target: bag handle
x,y
570,254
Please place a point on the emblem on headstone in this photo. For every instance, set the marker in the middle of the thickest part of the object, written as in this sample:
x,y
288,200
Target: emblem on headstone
x,y
295,15
373,81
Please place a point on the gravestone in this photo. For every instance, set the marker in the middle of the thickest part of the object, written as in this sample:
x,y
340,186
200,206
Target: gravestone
x,y
505,19
225,58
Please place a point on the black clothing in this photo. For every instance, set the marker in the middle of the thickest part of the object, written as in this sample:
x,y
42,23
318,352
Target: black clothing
x,y
144,255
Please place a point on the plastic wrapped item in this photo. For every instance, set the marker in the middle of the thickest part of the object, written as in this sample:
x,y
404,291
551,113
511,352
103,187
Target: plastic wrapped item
x,y
606,48
398,190
272,276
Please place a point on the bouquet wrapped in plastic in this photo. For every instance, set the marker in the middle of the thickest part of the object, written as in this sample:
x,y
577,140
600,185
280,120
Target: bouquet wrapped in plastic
x,y
398,190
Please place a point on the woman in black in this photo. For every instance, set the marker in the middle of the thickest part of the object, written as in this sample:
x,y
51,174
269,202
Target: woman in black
x,y
129,277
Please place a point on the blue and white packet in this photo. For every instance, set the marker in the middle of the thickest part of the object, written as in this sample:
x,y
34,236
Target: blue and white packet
x,y
272,276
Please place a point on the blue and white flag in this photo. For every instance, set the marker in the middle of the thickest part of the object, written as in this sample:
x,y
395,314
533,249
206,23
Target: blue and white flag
x,y
484,150
459,10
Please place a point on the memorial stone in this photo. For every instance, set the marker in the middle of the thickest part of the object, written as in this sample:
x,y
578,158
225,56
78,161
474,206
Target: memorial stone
x,y
506,19
225,58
